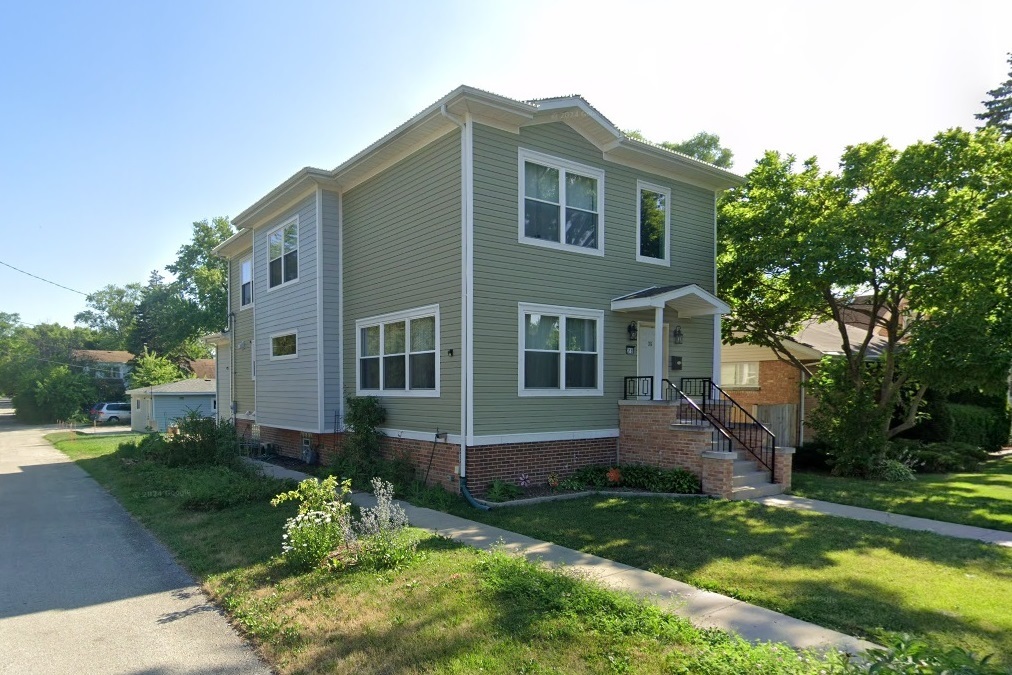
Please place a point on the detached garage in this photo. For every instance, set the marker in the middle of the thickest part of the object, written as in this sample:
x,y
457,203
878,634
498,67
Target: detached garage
x,y
157,407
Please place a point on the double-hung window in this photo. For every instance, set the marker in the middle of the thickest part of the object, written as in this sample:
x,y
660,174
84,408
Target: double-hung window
x,y
560,351
740,374
398,354
653,234
246,283
283,253
561,203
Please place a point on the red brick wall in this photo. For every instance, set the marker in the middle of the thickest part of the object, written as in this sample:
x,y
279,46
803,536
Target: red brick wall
x,y
646,437
507,462
778,383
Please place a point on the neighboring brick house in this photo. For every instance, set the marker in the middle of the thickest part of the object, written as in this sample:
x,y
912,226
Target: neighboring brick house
x,y
772,389
103,363
495,272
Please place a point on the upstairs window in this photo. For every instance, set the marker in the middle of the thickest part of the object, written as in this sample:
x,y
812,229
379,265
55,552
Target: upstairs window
x,y
561,204
246,283
560,351
398,354
654,218
740,374
283,253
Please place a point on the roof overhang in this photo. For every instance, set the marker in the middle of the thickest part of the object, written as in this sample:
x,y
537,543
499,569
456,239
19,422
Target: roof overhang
x,y
688,300
234,245
447,114
216,339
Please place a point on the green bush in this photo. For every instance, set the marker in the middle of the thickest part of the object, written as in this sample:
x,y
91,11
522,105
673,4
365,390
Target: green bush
x,y
359,456
322,525
594,476
892,471
501,491
949,457
976,425
812,456
201,441
909,655
653,479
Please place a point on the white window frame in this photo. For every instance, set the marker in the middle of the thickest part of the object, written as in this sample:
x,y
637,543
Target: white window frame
x,y
563,166
737,371
666,192
294,220
242,264
394,317
284,333
563,313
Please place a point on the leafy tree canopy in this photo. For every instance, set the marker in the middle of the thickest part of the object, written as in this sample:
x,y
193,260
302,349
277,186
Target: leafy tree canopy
x,y
150,369
998,108
703,146
111,313
915,240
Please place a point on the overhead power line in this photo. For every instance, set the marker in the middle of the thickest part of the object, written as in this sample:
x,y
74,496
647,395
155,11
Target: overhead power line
x,y
35,276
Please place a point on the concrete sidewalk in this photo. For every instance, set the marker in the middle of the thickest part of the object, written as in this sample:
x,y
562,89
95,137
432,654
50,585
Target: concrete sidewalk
x,y
703,608
895,519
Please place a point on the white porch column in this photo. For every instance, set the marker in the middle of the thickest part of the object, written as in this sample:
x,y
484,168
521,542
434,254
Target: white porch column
x,y
658,352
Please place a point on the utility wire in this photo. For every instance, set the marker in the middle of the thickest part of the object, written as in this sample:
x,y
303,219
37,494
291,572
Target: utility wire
x,y
66,288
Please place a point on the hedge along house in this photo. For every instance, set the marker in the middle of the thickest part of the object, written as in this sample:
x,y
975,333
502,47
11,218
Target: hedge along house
x,y
493,271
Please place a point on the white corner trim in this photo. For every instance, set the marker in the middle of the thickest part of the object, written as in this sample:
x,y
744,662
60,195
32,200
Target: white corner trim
x,y
642,185
340,313
319,310
468,225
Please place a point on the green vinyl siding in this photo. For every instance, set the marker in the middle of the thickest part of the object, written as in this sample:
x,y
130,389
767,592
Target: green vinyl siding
x,y
508,272
242,337
402,250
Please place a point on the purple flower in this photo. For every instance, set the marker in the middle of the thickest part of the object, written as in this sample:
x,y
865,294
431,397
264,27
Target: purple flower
x,y
525,481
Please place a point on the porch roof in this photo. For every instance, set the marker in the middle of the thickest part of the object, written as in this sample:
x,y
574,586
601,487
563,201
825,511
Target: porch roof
x,y
688,300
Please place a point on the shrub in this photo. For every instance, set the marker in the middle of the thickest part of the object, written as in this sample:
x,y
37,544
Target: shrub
x,y
949,457
359,458
322,525
892,471
572,485
654,479
978,426
501,491
381,541
908,655
594,476
812,456
201,441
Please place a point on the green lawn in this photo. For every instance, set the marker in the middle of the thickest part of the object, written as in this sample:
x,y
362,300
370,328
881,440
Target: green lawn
x,y
983,499
458,610
852,576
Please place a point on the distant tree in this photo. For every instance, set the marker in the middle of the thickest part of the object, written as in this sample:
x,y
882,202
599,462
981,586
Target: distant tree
x,y
111,313
202,277
150,369
703,146
60,395
998,108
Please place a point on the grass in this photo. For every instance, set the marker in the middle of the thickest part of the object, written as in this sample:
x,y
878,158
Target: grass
x,y
983,499
852,576
457,610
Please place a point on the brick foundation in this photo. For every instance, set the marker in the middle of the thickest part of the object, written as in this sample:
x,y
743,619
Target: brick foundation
x,y
648,437
718,473
507,462
784,463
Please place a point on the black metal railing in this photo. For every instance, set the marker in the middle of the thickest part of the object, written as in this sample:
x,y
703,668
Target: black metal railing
x,y
639,387
690,412
725,413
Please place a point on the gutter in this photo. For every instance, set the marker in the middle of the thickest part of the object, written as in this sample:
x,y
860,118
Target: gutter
x,y
467,227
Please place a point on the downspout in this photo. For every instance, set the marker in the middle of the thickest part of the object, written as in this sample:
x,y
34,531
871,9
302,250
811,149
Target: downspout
x,y
801,411
466,226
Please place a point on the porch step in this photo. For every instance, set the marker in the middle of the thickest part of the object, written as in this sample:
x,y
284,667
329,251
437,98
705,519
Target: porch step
x,y
753,478
756,491
743,466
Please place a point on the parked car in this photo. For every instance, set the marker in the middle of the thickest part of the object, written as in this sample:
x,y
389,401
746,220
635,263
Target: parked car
x,y
113,413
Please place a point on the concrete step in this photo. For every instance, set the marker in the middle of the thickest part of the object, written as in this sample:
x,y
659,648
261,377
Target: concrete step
x,y
743,466
755,492
754,478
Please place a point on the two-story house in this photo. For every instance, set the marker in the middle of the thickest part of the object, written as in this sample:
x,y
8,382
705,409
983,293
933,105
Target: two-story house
x,y
501,274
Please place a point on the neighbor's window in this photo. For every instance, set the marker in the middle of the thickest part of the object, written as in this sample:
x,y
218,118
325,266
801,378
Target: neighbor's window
x,y
399,353
652,237
560,351
562,203
246,283
284,346
283,253
741,374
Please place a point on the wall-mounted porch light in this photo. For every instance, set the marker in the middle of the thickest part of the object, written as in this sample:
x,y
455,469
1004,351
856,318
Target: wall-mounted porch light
x,y
676,336
633,332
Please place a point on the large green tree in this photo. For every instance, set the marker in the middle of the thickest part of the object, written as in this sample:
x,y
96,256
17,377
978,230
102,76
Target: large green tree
x,y
703,146
202,277
998,106
150,369
111,313
915,240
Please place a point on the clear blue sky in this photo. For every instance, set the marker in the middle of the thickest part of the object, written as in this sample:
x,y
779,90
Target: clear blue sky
x,y
123,122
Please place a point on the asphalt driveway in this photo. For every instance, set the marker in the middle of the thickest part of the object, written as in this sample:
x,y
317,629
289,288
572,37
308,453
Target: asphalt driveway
x,y
85,589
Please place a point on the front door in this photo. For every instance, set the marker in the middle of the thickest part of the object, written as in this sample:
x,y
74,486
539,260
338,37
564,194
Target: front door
x,y
646,350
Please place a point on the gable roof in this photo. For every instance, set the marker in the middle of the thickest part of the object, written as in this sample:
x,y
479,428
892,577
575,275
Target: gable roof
x,y
498,111
202,368
191,386
824,337
101,355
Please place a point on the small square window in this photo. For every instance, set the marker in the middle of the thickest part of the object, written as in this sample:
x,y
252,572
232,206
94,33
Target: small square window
x,y
284,346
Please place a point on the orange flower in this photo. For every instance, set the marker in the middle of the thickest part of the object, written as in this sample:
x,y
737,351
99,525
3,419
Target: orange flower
x,y
614,475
